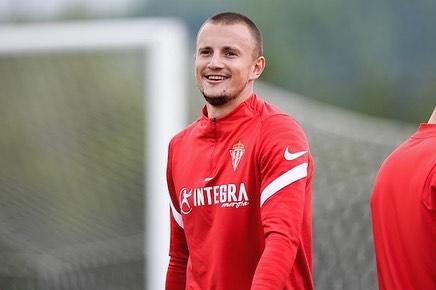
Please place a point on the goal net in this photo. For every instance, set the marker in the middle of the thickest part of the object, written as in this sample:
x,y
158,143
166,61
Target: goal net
x,y
87,110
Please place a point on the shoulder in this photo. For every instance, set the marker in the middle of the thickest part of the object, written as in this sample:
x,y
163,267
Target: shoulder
x,y
274,122
281,121
279,131
272,116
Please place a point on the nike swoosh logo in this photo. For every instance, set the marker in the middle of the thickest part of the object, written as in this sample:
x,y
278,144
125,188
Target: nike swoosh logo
x,y
292,156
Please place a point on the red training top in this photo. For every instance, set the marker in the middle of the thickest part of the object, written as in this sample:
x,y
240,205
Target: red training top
x,y
240,190
403,208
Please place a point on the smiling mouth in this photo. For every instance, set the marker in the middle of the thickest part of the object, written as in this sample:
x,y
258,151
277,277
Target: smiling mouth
x,y
216,77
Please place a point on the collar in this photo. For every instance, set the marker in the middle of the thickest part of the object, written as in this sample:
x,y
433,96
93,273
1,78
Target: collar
x,y
214,128
246,108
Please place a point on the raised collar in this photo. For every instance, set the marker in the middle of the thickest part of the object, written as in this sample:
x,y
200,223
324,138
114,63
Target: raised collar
x,y
247,108
216,128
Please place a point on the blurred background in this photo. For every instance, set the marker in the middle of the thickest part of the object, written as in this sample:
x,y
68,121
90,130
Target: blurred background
x,y
358,75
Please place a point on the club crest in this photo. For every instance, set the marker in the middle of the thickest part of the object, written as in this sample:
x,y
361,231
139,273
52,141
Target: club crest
x,y
236,153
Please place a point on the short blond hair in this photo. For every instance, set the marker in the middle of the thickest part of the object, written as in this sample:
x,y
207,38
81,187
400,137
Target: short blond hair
x,y
235,18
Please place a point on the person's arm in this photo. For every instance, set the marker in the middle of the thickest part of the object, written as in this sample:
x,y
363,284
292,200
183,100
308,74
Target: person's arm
x,y
284,183
176,274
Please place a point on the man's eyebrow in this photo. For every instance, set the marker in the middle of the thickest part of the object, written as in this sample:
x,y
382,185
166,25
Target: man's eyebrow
x,y
225,48
204,48
230,48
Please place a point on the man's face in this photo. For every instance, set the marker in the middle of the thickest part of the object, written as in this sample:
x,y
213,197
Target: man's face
x,y
225,62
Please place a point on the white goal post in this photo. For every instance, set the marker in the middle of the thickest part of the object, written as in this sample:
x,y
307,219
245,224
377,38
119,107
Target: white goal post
x,y
165,43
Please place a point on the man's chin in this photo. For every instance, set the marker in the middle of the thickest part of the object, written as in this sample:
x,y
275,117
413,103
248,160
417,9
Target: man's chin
x,y
217,101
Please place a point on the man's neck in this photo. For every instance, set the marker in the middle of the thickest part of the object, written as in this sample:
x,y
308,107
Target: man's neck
x,y
433,117
222,111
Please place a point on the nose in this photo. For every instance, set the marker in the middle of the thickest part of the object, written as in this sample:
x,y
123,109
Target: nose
x,y
215,62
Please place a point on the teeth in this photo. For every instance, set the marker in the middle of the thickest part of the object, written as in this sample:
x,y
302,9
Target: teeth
x,y
216,78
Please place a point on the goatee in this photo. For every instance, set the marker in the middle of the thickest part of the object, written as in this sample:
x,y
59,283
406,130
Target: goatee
x,y
218,101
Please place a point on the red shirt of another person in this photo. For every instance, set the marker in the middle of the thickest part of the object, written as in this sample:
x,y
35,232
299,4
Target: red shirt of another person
x,y
403,209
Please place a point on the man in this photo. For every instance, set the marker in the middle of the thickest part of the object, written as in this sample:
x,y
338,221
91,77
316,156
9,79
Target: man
x,y
403,208
239,177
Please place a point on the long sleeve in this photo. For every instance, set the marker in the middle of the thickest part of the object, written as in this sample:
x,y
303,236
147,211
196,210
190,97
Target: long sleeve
x,y
176,274
286,168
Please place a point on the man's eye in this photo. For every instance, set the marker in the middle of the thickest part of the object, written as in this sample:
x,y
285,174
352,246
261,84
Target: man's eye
x,y
204,52
231,53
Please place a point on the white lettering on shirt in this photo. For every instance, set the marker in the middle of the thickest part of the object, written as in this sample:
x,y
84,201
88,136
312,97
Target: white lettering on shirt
x,y
226,195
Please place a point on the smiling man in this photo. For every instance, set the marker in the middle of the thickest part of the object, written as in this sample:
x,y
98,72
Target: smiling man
x,y
239,177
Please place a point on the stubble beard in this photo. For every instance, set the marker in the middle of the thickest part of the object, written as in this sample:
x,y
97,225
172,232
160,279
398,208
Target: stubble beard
x,y
221,99
218,101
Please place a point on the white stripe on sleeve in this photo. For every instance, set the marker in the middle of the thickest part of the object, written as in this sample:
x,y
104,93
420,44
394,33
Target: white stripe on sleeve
x,y
296,173
177,216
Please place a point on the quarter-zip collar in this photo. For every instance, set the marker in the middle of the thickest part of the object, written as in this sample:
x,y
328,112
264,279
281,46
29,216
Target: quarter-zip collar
x,y
238,112
215,127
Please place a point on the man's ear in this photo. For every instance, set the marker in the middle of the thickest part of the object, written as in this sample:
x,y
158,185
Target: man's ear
x,y
258,68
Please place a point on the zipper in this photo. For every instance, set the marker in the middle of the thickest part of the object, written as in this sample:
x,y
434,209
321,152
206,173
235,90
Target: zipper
x,y
212,154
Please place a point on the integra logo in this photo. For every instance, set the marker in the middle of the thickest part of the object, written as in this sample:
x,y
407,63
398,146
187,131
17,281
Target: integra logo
x,y
227,195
